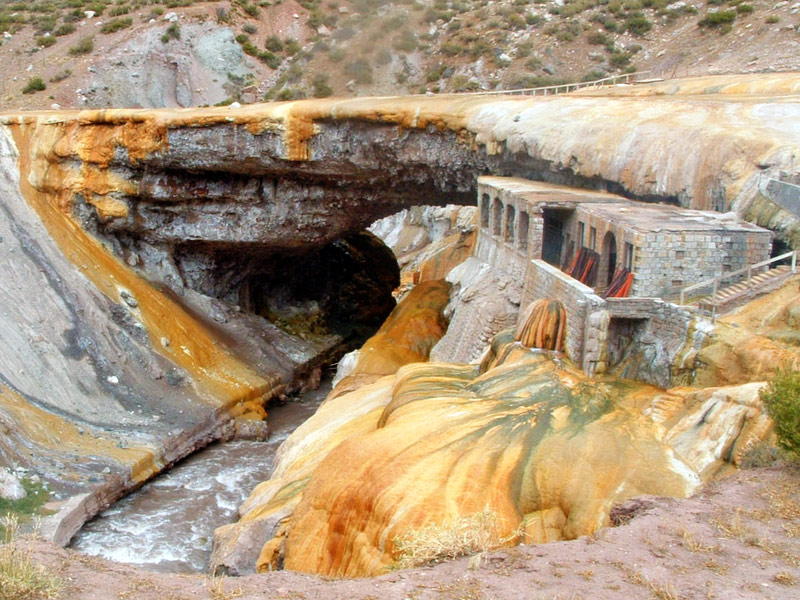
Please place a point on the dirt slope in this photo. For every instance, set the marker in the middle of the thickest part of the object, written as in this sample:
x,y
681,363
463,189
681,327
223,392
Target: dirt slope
x,y
186,52
740,538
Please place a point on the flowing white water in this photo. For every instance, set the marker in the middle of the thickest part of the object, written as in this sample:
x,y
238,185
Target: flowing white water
x,y
167,525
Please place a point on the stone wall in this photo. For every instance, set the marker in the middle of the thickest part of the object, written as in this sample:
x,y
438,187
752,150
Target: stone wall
x,y
545,281
508,219
642,337
651,348
665,261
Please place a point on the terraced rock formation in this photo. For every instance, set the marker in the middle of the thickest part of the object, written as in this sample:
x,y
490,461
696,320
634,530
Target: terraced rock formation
x,y
525,439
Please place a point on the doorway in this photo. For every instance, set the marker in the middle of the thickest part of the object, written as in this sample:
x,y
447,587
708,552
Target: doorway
x,y
610,256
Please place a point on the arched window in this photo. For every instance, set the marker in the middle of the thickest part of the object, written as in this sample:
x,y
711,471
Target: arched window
x,y
508,236
497,217
523,230
485,201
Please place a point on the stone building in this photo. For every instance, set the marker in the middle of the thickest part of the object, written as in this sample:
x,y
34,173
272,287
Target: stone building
x,y
527,227
665,247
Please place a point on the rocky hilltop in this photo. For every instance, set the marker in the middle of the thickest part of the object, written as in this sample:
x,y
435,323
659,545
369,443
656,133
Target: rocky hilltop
x,y
169,53
172,271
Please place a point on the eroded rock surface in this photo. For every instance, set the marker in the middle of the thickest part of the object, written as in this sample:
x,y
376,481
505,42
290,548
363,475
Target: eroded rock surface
x,y
526,437
131,238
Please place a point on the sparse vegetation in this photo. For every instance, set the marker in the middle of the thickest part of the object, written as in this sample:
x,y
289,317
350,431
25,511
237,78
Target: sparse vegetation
x,y
116,25
60,76
173,32
85,46
717,19
320,88
360,70
35,84
20,577
64,29
781,398
464,536
45,41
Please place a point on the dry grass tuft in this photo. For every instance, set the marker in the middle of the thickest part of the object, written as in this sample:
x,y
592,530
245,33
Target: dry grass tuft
x,y
465,536
692,545
782,497
216,586
785,578
733,527
20,578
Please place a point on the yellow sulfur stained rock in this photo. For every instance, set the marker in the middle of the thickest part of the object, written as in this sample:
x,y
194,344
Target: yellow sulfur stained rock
x,y
407,336
526,439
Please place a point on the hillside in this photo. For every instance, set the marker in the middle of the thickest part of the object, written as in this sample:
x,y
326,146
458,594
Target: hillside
x,y
149,53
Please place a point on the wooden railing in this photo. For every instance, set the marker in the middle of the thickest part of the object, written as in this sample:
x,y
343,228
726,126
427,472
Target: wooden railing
x,y
561,88
749,270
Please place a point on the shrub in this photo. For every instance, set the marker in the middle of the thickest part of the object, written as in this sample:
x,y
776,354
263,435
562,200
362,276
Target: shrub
x,y
273,61
452,49
64,29
118,11
593,75
715,19
292,46
116,25
320,88
772,19
597,38
407,42
250,28
85,46
35,84
462,83
336,54
290,93
45,41
436,73
251,9
744,9
638,25
619,59
60,76
274,44
384,57
534,64
781,398
360,70
173,32
20,578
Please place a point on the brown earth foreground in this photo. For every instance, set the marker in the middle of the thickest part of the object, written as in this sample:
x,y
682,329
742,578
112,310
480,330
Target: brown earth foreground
x,y
738,538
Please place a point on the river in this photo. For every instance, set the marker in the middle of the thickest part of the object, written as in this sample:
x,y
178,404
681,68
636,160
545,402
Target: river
x,y
167,525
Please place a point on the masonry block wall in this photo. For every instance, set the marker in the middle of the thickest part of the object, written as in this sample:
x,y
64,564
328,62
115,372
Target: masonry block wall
x,y
545,281
665,261
509,232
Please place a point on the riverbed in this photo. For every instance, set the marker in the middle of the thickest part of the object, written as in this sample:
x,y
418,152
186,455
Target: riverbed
x,y
167,525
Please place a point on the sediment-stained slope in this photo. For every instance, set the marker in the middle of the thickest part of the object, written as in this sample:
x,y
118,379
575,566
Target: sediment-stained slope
x,y
527,439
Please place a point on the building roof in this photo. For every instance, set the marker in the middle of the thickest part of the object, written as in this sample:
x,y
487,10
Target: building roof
x,y
653,218
640,216
548,194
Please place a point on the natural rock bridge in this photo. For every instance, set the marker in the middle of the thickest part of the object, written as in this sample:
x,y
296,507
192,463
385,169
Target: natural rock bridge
x,y
134,373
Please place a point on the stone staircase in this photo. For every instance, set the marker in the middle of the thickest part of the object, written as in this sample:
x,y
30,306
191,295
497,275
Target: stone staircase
x,y
735,295
727,298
